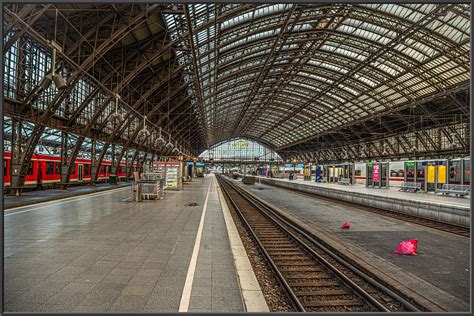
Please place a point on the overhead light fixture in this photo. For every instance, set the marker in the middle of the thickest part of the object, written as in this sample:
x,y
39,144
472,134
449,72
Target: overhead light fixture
x,y
59,82
143,133
46,81
116,118
159,141
169,145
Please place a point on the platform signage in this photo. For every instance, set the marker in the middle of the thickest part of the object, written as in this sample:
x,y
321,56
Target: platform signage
x,y
376,172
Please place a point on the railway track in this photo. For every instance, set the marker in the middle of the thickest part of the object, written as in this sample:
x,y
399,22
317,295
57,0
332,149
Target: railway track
x,y
314,278
446,227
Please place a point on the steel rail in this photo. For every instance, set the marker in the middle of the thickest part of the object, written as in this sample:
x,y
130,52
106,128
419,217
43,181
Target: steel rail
x,y
282,279
457,230
262,205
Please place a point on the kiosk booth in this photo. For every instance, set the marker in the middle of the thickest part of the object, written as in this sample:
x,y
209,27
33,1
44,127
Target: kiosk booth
x,y
377,175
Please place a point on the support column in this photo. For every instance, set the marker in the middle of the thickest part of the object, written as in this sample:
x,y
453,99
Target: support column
x,y
64,160
130,167
93,160
116,164
15,163
98,163
113,169
142,167
70,161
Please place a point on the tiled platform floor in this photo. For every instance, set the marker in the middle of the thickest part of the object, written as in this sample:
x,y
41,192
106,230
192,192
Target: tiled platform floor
x,y
102,253
440,272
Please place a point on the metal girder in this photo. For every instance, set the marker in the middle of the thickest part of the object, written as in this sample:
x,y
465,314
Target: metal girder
x,y
68,158
197,82
271,56
130,165
95,166
25,10
60,97
400,37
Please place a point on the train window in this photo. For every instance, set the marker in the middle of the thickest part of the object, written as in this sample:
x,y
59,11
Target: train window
x,y
30,169
401,173
109,168
49,167
5,168
123,168
358,173
58,168
86,170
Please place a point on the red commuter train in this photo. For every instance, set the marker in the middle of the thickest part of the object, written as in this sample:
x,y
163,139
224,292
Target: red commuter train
x,y
47,169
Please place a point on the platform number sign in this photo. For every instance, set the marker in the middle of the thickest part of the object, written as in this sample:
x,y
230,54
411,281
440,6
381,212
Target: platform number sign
x,y
376,172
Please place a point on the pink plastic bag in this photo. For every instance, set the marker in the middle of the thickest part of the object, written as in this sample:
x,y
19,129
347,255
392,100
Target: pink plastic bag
x,y
345,226
407,247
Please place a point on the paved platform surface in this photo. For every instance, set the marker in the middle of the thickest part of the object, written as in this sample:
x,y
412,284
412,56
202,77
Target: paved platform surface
x,y
38,196
390,192
440,272
104,254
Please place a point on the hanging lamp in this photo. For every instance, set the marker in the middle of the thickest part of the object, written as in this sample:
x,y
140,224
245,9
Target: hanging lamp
x,y
160,140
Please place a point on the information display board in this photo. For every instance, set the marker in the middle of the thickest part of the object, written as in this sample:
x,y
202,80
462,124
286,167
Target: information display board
x,y
376,172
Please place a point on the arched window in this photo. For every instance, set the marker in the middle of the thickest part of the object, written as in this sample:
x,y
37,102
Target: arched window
x,y
239,149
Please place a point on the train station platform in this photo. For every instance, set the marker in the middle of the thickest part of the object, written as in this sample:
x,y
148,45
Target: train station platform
x,y
39,196
438,276
449,209
103,253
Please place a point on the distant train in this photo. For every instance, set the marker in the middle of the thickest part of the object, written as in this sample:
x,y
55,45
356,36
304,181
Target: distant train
x,y
457,171
45,170
396,175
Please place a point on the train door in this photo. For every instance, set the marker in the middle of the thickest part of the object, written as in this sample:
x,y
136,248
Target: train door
x,y
467,171
409,173
384,175
80,169
370,175
340,173
434,174
420,173
377,175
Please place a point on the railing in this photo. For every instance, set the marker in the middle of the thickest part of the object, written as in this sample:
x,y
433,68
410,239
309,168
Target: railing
x,y
410,187
344,181
456,189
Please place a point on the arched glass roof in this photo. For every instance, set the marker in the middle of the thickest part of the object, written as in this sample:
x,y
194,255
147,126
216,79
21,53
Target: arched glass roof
x,y
283,73
240,149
